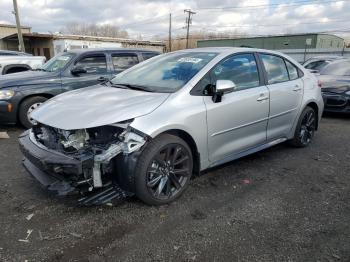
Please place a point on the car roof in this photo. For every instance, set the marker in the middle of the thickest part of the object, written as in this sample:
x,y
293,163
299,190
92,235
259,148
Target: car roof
x,y
229,50
14,52
86,50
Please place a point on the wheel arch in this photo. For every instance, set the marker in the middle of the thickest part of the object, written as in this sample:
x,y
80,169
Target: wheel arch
x,y
12,66
46,95
191,143
314,106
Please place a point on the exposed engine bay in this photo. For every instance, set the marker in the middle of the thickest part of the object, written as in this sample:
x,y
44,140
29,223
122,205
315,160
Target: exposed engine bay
x,y
96,148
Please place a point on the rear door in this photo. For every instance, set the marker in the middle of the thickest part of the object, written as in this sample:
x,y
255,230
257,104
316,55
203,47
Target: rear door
x,y
123,61
239,121
286,93
96,69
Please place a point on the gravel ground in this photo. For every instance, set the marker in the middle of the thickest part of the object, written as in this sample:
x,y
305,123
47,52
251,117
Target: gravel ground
x,y
281,204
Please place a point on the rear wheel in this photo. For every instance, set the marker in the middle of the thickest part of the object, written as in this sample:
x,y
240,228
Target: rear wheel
x,y
163,170
305,129
27,107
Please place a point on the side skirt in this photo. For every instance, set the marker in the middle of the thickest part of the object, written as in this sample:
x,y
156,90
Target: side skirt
x,y
247,152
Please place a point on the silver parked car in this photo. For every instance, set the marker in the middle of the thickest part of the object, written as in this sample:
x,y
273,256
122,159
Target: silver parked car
x,y
148,130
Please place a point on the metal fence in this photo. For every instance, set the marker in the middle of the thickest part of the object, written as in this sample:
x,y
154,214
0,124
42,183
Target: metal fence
x,y
301,54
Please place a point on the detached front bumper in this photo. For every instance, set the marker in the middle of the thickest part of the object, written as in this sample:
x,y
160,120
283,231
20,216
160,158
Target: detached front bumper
x,y
55,171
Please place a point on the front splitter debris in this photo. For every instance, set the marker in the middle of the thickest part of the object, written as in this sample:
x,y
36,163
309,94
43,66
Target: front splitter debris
x,y
104,196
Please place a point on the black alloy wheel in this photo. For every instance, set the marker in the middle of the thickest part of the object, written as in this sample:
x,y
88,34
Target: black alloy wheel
x,y
163,170
305,129
169,171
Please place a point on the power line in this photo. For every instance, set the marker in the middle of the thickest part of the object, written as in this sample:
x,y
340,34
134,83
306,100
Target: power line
x,y
272,5
276,25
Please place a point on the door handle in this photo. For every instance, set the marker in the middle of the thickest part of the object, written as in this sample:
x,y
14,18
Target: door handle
x,y
262,97
296,88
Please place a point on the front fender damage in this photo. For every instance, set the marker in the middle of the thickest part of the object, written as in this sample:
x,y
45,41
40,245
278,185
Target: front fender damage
x,y
131,141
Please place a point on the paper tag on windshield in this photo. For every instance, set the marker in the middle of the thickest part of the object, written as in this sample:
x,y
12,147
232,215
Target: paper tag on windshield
x,y
189,60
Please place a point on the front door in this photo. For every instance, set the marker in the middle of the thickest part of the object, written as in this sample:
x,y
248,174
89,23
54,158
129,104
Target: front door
x,y
239,121
286,93
96,69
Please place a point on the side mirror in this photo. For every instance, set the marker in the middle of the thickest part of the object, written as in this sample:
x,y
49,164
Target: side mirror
x,y
77,70
222,87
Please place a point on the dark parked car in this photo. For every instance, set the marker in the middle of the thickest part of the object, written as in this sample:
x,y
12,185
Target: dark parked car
x,y
334,80
21,93
316,64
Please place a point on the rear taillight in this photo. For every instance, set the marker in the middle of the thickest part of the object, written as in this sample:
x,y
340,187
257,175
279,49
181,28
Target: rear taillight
x,y
319,83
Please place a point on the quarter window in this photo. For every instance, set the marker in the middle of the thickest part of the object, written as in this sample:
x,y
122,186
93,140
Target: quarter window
x,y
240,69
275,69
292,70
124,61
94,64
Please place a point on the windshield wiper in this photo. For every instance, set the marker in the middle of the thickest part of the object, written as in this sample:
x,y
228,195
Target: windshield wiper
x,y
128,86
40,69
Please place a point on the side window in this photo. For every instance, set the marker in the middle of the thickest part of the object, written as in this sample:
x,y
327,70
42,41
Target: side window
x,y
240,69
94,64
275,69
148,55
292,70
124,61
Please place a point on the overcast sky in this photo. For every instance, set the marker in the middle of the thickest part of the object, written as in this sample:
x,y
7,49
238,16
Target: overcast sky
x,y
150,18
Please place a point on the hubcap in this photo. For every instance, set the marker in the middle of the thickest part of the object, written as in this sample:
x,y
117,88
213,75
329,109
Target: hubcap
x,y
307,128
30,110
169,171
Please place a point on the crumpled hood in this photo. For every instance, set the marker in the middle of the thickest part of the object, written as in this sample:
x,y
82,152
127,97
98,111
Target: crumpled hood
x,y
96,106
25,78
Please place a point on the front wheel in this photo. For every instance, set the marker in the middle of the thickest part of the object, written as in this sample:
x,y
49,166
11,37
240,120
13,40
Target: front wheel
x,y
305,129
27,107
163,170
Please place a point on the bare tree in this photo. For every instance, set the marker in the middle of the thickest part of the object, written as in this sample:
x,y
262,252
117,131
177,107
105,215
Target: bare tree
x,y
94,30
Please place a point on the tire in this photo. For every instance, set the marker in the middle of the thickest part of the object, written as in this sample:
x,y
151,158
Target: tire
x,y
305,128
27,106
159,182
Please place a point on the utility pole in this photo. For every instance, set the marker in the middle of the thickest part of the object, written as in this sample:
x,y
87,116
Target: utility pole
x,y
19,30
188,22
170,32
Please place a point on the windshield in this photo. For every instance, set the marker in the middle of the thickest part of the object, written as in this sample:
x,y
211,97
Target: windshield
x,y
57,62
165,73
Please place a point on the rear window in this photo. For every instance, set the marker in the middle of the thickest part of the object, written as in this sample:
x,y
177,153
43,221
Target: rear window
x,y
148,55
337,69
316,65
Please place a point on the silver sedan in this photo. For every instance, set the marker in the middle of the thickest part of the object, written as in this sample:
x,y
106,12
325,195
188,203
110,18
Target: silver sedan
x,y
148,130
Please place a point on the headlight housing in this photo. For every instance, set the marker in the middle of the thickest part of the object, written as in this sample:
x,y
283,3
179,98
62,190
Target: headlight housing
x,y
6,94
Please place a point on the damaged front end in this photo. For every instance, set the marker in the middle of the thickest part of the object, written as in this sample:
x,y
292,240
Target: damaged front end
x,y
84,160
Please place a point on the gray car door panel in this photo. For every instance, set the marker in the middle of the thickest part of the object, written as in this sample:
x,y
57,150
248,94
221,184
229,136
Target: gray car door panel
x,y
286,93
237,123
285,100
96,70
